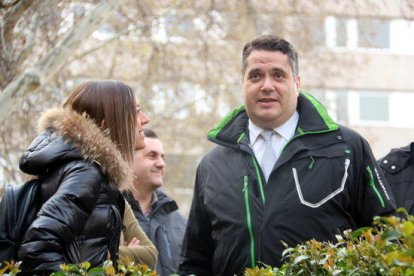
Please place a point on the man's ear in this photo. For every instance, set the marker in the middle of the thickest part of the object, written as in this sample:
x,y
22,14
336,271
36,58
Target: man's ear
x,y
297,84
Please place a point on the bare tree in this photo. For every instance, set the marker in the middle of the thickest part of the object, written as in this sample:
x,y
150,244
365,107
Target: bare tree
x,y
33,78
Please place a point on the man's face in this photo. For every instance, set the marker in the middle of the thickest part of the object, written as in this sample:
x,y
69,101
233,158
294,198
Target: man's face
x,y
149,165
269,88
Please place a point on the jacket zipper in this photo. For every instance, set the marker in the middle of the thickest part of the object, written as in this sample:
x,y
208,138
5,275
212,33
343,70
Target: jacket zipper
x,y
372,184
115,232
249,221
259,178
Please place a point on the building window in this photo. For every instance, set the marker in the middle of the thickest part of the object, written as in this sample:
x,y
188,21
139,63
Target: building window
x,y
374,107
357,33
369,108
373,33
341,36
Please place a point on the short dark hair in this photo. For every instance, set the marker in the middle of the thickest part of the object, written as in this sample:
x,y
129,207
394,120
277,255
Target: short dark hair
x,y
271,43
149,133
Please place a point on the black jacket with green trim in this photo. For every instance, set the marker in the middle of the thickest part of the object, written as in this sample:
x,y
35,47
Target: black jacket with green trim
x,y
325,181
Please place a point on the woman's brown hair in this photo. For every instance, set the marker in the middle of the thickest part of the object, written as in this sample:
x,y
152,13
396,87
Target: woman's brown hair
x,y
114,104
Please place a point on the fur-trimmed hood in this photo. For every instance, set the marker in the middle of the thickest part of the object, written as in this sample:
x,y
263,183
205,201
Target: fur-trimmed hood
x,y
66,135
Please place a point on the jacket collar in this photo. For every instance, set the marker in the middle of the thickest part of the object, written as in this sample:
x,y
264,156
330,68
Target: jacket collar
x,y
163,202
313,118
94,144
398,159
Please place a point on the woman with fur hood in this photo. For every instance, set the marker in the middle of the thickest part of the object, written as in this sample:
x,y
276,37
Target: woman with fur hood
x,y
82,157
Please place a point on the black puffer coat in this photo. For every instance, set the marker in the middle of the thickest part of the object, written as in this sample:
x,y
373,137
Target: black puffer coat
x,y
398,168
81,172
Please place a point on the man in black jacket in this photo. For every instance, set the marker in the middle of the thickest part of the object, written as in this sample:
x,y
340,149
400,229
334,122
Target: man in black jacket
x,y
398,168
156,212
282,171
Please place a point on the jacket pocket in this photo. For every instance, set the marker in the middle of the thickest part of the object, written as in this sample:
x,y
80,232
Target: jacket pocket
x,y
320,175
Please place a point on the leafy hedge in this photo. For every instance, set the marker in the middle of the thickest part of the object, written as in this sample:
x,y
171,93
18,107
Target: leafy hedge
x,y
387,248
125,267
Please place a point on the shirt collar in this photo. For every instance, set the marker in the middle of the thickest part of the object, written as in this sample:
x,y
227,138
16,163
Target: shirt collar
x,y
154,199
254,132
286,130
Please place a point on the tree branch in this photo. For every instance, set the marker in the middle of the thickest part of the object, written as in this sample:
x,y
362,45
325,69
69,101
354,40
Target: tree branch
x,y
44,69
10,19
100,46
28,47
8,5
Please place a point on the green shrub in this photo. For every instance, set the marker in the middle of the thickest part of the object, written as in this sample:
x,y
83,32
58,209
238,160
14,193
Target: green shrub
x,y
125,267
385,249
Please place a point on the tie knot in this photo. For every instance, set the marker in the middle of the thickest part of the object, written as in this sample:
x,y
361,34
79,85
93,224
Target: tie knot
x,y
267,134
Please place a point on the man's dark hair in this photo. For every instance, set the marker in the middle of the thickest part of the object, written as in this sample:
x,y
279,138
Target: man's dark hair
x,y
274,44
149,133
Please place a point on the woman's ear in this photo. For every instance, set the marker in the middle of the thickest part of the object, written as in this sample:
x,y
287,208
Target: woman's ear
x,y
103,125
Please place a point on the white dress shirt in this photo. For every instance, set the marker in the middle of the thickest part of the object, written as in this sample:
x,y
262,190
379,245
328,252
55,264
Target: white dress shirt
x,y
285,133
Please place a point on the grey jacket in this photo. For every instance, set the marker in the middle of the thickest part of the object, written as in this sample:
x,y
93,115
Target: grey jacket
x,y
165,227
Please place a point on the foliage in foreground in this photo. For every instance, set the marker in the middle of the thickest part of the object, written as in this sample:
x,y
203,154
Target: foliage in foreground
x,y
385,249
125,267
